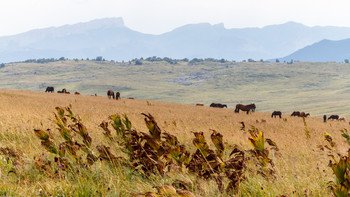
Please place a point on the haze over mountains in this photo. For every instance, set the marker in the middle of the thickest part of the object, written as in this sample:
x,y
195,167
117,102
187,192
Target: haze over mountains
x,y
113,40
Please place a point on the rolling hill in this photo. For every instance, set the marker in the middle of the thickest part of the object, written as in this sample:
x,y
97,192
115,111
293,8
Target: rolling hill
x,y
301,167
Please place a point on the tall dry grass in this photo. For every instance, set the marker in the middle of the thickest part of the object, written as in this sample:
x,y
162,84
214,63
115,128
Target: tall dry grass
x,y
301,167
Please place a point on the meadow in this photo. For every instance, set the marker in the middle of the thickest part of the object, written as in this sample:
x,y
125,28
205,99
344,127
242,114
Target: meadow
x,y
301,165
317,88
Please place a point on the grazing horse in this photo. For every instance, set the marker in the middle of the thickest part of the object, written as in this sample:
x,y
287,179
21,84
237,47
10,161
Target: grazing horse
x,y
246,108
276,113
63,91
218,105
110,94
303,114
117,95
296,113
334,117
198,104
50,89
342,119
77,93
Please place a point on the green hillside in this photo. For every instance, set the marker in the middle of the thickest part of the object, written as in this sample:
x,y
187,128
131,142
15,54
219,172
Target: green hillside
x,y
318,88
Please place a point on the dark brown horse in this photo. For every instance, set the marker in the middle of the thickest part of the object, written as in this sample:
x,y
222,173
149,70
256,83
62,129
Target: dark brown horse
x,y
77,93
110,94
117,95
276,113
246,108
303,114
296,113
62,91
333,117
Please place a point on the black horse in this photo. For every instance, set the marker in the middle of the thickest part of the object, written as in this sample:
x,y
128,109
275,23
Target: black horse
x,y
334,117
219,105
276,113
50,89
110,94
246,108
117,95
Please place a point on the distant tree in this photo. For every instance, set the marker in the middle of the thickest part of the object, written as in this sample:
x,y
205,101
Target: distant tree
x,y
2,65
185,60
261,60
138,62
62,59
277,60
99,58
87,59
346,61
222,61
251,60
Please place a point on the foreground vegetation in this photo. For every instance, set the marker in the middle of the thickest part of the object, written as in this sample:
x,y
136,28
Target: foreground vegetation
x,y
297,166
317,88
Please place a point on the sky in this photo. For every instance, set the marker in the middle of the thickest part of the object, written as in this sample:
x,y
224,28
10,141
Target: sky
x,y
160,16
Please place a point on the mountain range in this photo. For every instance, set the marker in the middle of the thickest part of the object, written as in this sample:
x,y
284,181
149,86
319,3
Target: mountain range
x,y
112,39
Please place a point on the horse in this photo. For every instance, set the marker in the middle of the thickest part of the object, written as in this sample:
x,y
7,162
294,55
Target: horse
x,y
246,108
117,95
333,117
342,119
296,113
219,105
50,89
303,114
324,118
198,104
110,94
276,113
77,93
62,91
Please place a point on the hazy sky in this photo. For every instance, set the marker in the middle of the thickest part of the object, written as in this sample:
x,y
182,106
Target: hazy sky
x,y
159,16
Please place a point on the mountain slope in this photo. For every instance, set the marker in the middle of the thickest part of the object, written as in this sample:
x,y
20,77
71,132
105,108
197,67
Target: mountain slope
x,y
323,51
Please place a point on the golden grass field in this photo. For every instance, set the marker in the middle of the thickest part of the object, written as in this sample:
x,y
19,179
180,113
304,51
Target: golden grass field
x,y
301,167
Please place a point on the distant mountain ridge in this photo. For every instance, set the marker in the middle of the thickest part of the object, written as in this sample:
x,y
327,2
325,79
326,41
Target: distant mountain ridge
x,y
323,51
110,38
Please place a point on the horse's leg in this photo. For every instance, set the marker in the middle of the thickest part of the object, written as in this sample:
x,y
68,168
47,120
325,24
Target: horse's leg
x,y
248,112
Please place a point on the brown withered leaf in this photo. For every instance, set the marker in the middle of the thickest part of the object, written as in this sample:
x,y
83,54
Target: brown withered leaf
x,y
49,146
43,135
217,140
152,126
272,143
107,133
